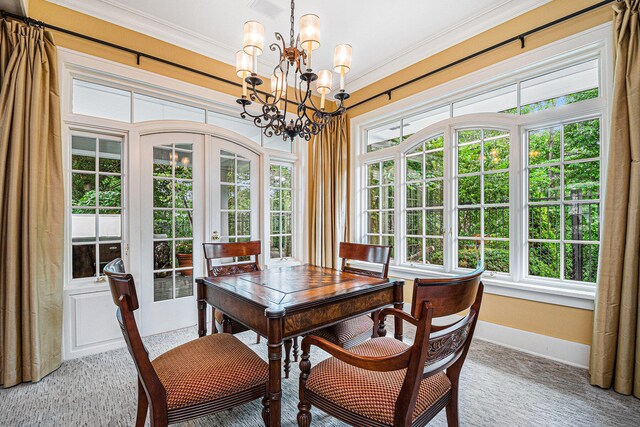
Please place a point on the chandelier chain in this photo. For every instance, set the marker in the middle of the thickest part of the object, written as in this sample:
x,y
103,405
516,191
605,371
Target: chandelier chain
x,y
291,32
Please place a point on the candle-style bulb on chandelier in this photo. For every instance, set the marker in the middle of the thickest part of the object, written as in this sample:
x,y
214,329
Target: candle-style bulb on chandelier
x,y
273,118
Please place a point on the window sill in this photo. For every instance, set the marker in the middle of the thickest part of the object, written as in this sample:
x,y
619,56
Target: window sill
x,y
81,286
568,297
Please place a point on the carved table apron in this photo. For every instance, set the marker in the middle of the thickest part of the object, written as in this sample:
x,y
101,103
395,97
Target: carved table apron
x,y
284,303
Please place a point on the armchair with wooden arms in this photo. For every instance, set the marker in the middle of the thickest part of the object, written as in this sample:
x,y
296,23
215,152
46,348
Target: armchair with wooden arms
x,y
385,382
354,331
198,378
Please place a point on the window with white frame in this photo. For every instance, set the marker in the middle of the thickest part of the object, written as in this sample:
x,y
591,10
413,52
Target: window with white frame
x,y
482,180
280,193
380,203
520,192
563,174
235,197
424,174
96,203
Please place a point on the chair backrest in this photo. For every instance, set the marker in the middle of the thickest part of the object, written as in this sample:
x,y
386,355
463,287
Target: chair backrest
x,y
123,292
376,254
439,348
213,251
448,296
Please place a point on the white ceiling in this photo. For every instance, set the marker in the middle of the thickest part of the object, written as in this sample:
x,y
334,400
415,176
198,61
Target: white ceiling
x,y
13,6
386,35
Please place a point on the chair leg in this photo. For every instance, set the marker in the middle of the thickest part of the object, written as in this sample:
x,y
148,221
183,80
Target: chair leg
x,y
214,327
287,358
257,338
227,327
295,349
375,316
143,406
304,407
265,411
382,330
452,407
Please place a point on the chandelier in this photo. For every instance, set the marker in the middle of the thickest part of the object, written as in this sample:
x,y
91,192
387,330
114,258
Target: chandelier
x,y
274,117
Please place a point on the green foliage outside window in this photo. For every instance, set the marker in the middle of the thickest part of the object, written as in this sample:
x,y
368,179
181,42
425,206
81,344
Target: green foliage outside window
x,y
579,144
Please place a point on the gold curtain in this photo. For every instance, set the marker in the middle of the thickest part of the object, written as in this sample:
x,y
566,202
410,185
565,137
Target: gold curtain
x,y
615,350
328,187
32,210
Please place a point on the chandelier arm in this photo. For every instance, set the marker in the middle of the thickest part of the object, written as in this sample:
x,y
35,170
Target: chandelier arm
x,y
338,111
255,96
298,91
285,76
313,106
275,45
266,115
257,120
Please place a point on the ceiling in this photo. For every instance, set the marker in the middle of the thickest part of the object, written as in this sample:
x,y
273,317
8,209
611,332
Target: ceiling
x,y
13,6
386,35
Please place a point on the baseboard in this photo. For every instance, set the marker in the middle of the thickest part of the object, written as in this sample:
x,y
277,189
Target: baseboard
x,y
571,353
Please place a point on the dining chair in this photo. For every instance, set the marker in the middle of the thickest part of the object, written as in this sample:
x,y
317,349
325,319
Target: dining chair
x,y
354,331
201,377
385,382
214,251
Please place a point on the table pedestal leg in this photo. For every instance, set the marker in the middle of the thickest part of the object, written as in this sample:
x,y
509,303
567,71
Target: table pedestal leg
x,y
275,369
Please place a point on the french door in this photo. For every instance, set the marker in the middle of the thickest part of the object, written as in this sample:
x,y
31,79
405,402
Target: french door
x,y
195,188
235,177
172,226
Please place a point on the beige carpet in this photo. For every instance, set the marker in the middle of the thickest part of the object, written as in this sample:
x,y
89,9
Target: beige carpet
x,y
499,387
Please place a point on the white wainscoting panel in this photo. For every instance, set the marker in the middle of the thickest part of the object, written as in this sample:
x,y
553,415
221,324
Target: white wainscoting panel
x,y
94,327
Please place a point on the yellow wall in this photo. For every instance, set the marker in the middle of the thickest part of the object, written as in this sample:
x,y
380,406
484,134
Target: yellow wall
x,y
562,322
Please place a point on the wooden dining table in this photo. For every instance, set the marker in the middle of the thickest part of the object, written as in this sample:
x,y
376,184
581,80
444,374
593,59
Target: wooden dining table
x,y
284,303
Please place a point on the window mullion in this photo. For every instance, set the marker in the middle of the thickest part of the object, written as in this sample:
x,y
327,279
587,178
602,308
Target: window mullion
x,y
399,189
562,204
449,210
517,205
97,205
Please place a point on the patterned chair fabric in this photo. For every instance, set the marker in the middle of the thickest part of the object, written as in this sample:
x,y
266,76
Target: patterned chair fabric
x,y
347,332
209,368
372,394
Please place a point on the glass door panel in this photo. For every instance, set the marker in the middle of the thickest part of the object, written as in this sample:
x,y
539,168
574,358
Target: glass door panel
x,y
172,221
235,206
172,218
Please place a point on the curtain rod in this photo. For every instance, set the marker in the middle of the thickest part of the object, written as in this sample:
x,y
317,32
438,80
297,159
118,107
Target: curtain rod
x,y
139,54
520,37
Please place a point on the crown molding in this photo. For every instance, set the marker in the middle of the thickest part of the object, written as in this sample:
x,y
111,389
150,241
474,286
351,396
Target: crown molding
x,y
125,16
